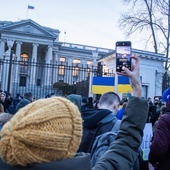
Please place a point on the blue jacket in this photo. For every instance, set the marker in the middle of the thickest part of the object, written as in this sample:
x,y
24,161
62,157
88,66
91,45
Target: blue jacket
x,y
120,113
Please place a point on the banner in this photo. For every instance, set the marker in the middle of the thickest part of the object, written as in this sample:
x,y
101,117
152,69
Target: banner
x,y
146,140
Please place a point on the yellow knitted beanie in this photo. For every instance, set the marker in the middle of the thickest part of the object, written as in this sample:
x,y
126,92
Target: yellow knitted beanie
x,y
43,131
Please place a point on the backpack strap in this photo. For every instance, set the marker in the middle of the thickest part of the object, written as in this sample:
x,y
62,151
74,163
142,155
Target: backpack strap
x,y
116,126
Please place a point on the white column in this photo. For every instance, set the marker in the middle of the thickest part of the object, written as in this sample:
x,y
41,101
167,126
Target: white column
x,y
70,61
33,65
69,71
2,48
48,69
34,52
56,57
83,65
2,51
49,53
18,50
16,65
6,68
56,63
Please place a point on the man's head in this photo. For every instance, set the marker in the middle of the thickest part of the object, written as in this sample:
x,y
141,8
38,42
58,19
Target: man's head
x,y
43,131
28,96
76,99
84,101
110,101
2,96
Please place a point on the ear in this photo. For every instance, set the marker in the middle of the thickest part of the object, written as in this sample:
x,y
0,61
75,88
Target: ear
x,y
115,106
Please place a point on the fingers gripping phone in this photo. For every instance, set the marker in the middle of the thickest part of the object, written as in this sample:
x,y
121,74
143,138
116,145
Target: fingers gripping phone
x,y
123,53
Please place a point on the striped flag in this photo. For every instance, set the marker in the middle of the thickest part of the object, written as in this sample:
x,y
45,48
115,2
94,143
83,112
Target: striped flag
x,y
30,7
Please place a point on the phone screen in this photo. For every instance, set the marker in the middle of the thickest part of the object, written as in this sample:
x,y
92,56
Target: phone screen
x,y
123,53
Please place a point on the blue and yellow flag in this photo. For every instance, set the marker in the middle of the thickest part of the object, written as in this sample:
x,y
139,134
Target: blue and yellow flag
x,y
102,85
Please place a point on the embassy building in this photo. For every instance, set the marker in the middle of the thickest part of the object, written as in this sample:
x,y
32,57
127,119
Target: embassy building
x,y
33,59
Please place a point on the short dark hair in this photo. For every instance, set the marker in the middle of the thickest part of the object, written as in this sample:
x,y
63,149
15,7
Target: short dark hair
x,y
28,95
108,98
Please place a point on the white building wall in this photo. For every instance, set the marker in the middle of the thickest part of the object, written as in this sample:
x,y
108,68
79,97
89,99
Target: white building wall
x,y
151,71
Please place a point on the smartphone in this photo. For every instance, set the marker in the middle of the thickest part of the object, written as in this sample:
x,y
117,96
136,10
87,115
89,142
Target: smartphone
x,y
123,53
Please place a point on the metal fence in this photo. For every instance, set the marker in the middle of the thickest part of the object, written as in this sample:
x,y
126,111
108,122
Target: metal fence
x,y
43,78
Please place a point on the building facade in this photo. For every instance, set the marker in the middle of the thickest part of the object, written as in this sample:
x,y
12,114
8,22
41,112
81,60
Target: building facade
x,y
33,58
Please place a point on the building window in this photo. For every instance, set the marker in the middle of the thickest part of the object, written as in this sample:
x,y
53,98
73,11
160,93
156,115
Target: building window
x,y
23,81
24,64
76,61
75,71
38,82
62,59
89,62
61,70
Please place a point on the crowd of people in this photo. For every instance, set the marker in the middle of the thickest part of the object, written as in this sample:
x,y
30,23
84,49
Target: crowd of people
x,y
76,133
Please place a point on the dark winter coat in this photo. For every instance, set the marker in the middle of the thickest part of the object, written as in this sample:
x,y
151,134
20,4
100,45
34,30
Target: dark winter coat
x,y
95,123
122,152
160,147
23,102
66,164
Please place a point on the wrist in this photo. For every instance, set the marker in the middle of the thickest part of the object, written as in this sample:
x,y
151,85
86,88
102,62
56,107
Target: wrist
x,y
137,91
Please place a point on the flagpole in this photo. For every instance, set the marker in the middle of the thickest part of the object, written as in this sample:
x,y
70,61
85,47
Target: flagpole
x,y
64,36
27,12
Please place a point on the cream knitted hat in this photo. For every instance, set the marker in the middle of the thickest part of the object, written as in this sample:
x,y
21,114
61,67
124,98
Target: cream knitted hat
x,y
43,131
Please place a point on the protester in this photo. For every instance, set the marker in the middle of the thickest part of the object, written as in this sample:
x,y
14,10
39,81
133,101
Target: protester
x,y
84,104
17,99
90,102
162,111
46,134
4,117
76,99
159,155
27,98
5,101
99,121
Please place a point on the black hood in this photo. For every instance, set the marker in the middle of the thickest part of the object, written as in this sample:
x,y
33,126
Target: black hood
x,y
94,117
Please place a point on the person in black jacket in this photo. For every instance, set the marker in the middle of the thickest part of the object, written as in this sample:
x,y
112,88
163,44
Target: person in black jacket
x,y
99,121
46,134
6,102
28,98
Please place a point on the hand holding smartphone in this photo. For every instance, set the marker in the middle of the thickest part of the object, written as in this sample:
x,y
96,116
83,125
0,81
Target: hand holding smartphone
x,y
123,55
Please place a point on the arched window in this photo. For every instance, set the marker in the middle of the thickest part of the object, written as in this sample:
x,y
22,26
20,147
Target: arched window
x,y
24,57
24,64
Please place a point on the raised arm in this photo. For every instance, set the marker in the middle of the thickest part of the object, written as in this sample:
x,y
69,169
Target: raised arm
x,y
123,152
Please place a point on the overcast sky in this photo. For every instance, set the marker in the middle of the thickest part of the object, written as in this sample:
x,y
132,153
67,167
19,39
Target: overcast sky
x,y
88,22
